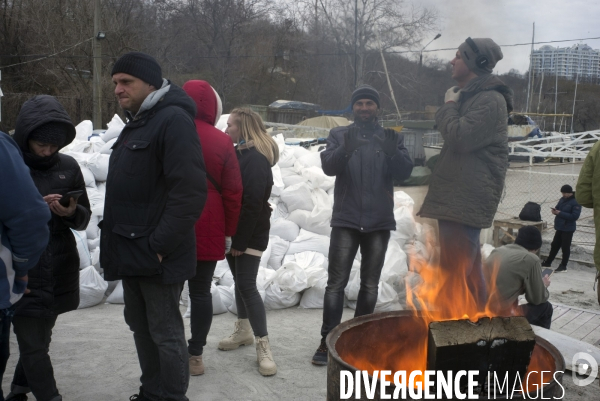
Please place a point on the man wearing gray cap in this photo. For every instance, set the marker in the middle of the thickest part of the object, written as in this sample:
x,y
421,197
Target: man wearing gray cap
x,y
468,179
365,159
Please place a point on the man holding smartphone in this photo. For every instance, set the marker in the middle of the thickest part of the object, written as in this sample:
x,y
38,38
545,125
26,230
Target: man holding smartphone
x,y
519,271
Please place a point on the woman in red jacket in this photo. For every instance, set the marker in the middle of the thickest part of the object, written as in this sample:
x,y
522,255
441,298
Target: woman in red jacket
x,y
219,218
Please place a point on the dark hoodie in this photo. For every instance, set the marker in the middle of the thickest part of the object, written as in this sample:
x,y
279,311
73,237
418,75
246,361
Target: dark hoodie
x,y
155,192
54,281
468,179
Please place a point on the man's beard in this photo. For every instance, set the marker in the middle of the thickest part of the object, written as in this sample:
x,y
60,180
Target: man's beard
x,y
366,119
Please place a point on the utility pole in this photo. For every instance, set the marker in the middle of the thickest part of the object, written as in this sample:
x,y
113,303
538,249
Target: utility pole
x,y
530,69
355,41
97,53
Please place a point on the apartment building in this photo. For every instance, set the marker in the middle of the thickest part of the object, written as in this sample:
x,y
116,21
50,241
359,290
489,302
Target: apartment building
x,y
567,62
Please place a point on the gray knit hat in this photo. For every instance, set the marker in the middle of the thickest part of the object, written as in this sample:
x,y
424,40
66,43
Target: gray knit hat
x,y
480,54
140,65
365,92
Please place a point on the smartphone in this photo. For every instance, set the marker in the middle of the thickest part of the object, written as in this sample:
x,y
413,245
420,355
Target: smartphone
x,y
66,198
547,272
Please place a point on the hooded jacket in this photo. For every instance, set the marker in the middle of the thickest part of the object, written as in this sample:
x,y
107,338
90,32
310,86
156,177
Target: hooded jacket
x,y
222,209
468,180
54,281
570,210
587,192
364,190
155,192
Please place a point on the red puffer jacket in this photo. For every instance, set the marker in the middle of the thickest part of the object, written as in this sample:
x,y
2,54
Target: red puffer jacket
x,y
222,210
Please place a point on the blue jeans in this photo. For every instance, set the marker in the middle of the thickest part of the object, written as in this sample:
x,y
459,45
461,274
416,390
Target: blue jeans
x,y
152,313
34,370
5,319
342,250
201,305
460,253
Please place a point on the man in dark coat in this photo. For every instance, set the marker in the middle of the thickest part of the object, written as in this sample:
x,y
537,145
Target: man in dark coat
x,y
365,159
43,128
567,213
155,192
468,180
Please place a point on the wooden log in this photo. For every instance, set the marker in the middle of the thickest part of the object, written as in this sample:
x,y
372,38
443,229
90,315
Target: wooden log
x,y
497,345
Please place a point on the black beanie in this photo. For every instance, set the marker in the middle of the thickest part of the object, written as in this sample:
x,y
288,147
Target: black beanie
x,y
54,133
140,65
530,238
365,92
566,189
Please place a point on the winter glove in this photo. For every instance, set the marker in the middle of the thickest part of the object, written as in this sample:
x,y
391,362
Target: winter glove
x,y
352,140
227,244
452,94
389,141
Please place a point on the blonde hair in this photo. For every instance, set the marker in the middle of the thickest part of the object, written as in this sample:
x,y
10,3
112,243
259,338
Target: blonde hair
x,y
253,130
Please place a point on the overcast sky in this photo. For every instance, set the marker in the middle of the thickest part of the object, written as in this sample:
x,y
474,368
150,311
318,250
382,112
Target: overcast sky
x,y
511,21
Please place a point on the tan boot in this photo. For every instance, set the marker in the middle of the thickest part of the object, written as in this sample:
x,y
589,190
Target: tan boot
x,y
196,365
242,335
266,365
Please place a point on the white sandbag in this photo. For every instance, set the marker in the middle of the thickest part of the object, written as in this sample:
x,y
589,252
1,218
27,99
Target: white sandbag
x,y
91,287
85,258
264,277
317,178
387,298
94,196
307,241
288,171
313,297
405,225
92,231
298,196
312,159
106,149
95,258
276,298
395,263
217,302
83,130
402,199
278,183
285,229
88,177
221,268
279,248
98,165
113,128
78,146
264,259
111,287
273,202
319,219
93,243
233,307
226,295
96,144
116,297
290,277
286,157
299,151
101,186
80,157
314,264
226,279
292,180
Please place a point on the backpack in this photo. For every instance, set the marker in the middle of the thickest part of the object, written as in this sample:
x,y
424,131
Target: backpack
x,y
531,212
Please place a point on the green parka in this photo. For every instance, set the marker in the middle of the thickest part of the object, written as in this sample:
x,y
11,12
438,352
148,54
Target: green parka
x,y
588,194
468,179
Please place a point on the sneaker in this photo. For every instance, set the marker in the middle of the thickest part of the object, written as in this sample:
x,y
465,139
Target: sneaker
x,y
560,269
320,357
139,397
16,397
546,264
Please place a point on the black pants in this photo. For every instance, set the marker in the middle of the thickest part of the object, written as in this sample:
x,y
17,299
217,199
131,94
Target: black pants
x,y
540,315
562,240
152,313
247,299
201,305
342,250
34,370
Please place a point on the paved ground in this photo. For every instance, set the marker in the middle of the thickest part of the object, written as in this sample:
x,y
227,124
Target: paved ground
x,y
94,359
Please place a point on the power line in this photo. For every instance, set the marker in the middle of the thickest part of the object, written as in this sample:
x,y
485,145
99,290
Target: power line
x,y
49,56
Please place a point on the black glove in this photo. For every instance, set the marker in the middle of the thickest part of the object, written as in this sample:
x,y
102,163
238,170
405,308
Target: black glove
x,y
389,142
352,140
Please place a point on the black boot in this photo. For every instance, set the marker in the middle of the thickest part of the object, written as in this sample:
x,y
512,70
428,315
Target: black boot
x,y
561,268
16,397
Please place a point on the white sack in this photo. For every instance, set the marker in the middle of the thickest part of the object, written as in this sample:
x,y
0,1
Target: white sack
x,y
92,231
85,258
88,177
307,241
83,130
405,225
98,165
312,159
387,298
226,295
279,247
264,277
285,229
299,151
278,184
91,287
402,199
276,298
116,297
292,180
217,302
317,178
264,259
96,144
288,171
314,264
298,196
106,149
93,244
226,279
313,297
290,277
286,157
113,129
395,263
319,219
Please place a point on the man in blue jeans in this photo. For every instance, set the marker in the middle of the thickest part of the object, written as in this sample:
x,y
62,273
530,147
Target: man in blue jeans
x,y
468,179
365,159
24,233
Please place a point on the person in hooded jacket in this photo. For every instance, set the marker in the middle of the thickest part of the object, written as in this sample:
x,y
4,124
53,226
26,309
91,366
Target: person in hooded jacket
x,y
468,179
257,152
155,192
43,128
219,218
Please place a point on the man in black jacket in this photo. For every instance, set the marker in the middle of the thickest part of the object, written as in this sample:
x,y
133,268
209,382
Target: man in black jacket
x,y
155,192
365,159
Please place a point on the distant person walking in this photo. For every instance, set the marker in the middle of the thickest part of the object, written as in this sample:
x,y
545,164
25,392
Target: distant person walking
x,y
468,179
566,213
219,218
588,195
257,152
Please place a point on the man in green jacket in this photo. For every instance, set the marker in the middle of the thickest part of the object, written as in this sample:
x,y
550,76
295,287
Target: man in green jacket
x,y
588,195
468,179
519,271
